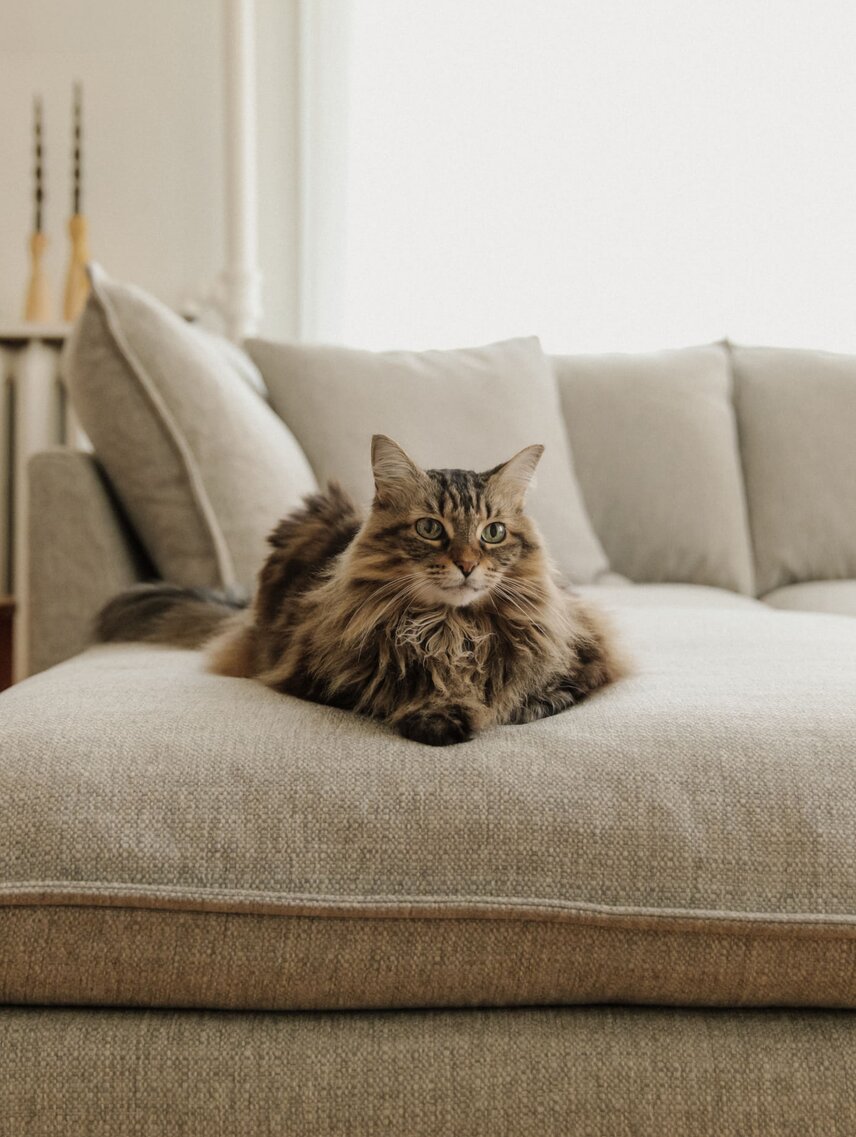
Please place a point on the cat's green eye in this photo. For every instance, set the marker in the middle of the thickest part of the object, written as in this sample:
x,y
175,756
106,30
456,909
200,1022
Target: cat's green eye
x,y
429,528
493,534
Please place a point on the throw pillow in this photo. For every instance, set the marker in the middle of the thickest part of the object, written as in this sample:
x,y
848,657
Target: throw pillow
x,y
470,408
202,465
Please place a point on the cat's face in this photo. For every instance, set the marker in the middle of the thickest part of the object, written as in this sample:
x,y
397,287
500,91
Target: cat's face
x,y
449,536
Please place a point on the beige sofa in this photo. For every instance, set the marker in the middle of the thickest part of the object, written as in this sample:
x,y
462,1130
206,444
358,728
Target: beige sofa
x,y
224,911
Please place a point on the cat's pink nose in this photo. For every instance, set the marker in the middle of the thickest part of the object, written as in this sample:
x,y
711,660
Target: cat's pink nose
x,y
466,565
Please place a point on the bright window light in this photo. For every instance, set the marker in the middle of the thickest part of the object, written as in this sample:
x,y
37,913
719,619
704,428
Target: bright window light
x,y
608,175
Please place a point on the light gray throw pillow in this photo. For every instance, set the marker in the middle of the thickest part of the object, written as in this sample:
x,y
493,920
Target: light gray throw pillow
x,y
655,448
202,465
470,408
797,415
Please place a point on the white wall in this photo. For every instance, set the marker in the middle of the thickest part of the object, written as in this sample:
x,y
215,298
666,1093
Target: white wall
x,y
153,146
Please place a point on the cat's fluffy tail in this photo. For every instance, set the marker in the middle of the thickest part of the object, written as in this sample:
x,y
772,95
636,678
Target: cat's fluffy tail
x,y
166,614
303,545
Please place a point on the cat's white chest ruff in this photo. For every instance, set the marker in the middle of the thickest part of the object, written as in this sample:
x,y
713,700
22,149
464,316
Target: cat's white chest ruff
x,y
447,642
442,637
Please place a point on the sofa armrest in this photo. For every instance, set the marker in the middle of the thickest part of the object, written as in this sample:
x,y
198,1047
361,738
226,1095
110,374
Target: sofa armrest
x,y
81,552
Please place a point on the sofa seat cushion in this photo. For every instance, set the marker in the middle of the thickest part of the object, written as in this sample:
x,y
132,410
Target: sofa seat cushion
x,y
836,596
626,595
688,837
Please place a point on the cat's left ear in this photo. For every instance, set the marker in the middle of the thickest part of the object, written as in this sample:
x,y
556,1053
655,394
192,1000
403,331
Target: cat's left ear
x,y
515,476
396,475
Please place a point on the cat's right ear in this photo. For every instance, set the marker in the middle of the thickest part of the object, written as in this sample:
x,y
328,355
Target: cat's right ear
x,y
396,475
515,476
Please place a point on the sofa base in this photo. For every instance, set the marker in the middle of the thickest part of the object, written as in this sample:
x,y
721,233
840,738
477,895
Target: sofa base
x,y
598,1071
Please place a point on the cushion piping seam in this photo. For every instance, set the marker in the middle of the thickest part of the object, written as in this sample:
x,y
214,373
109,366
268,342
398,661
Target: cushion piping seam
x,y
72,893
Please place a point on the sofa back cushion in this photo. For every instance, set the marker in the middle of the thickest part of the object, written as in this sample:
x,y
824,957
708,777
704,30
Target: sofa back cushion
x,y
797,416
655,450
201,463
470,408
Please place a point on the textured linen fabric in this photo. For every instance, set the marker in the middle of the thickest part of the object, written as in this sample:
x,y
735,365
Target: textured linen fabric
x,y
797,417
597,1072
471,408
655,450
237,358
79,954
201,463
835,596
665,595
81,552
688,836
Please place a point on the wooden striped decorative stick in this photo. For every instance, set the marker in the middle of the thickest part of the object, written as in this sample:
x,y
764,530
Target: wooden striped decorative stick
x,y
77,282
37,307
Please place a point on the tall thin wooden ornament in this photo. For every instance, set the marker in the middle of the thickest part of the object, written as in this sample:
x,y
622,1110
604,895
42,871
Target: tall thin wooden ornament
x,y
37,306
77,282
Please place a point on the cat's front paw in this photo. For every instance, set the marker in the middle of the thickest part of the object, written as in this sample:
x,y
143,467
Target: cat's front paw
x,y
437,728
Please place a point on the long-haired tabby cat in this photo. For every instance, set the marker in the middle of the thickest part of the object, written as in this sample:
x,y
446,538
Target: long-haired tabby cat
x,y
438,613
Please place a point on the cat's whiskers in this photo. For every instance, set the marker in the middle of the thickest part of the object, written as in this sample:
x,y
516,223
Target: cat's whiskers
x,y
373,595
524,606
378,602
408,588
560,619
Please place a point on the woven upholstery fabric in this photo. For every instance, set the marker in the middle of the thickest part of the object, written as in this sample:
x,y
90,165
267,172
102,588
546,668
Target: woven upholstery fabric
x,y
598,1072
688,836
623,595
81,553
835,596
796,412
470,408
655,449
202,465
84,955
